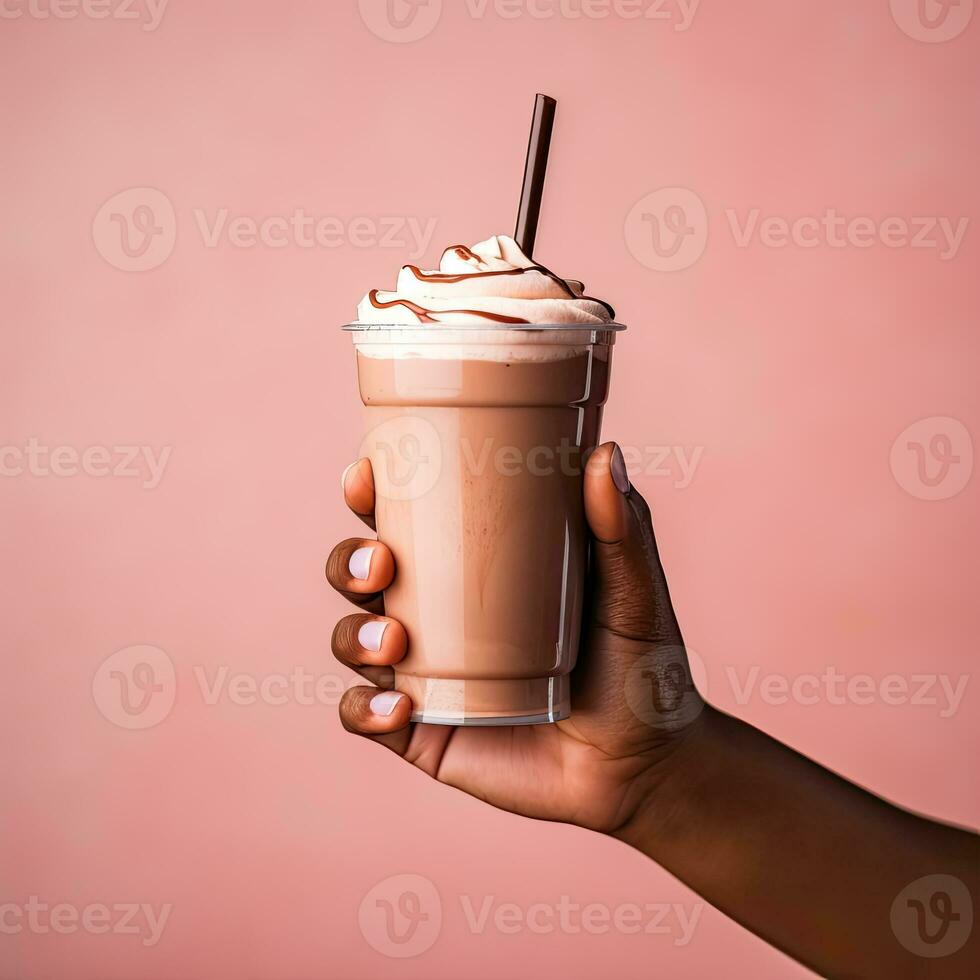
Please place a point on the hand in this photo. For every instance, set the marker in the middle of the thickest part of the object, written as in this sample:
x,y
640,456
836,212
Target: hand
x,y
806,860
632,697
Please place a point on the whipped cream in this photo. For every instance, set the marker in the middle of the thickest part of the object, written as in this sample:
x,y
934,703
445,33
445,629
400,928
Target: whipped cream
x,y
493,282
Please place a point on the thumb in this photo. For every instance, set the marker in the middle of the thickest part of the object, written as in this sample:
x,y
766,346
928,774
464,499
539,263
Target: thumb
x,y
631,598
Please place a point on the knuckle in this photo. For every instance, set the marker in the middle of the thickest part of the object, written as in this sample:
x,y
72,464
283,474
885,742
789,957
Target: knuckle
x,y
354,709
343,642
337,570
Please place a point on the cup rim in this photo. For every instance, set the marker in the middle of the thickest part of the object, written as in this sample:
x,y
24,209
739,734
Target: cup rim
x,y
356,327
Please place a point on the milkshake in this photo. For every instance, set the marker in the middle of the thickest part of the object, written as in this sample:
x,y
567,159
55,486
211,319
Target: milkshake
x,y
483,384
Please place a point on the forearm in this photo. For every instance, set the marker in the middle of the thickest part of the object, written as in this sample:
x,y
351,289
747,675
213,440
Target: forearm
x,y
803,858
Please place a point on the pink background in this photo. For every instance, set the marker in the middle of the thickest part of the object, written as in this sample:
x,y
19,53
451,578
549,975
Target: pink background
x,y
793,549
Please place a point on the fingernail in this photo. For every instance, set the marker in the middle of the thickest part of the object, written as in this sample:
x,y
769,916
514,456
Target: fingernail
x,y
617,466
371,633
343,476
360,563
385,703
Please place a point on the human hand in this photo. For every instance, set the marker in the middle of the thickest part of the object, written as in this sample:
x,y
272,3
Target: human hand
x,y
633,701
806,860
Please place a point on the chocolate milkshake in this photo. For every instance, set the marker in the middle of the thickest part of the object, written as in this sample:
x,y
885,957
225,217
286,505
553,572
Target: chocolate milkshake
x,y
483,385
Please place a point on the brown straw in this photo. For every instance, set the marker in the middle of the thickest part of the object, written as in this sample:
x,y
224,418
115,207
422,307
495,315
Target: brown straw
x,y
534,170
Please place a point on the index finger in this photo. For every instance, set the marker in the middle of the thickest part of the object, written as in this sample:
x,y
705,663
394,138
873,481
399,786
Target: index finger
x,y
358,485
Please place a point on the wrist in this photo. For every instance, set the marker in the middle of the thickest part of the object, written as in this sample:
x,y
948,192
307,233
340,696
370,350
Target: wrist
x,y
671,790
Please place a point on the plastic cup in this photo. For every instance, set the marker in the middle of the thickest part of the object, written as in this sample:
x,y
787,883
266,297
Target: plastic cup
x,y
477,437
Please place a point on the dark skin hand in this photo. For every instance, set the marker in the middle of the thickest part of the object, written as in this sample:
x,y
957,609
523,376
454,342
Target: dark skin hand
x,y
803,858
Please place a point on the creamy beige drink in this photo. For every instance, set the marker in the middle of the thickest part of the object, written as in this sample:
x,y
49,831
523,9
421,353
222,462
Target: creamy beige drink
x,y
483,385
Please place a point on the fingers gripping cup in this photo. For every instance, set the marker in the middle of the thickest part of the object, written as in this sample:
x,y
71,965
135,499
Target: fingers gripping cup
x,y
479,418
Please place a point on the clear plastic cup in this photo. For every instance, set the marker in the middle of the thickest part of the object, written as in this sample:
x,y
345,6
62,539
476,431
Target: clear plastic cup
x,y
477,437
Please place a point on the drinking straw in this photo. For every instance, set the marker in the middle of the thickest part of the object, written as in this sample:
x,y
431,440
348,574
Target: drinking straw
x,y
535,167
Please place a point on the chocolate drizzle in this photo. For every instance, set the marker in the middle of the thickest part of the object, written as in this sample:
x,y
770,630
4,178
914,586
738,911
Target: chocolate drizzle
x,y
450,277
467,254
430,316
571,292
